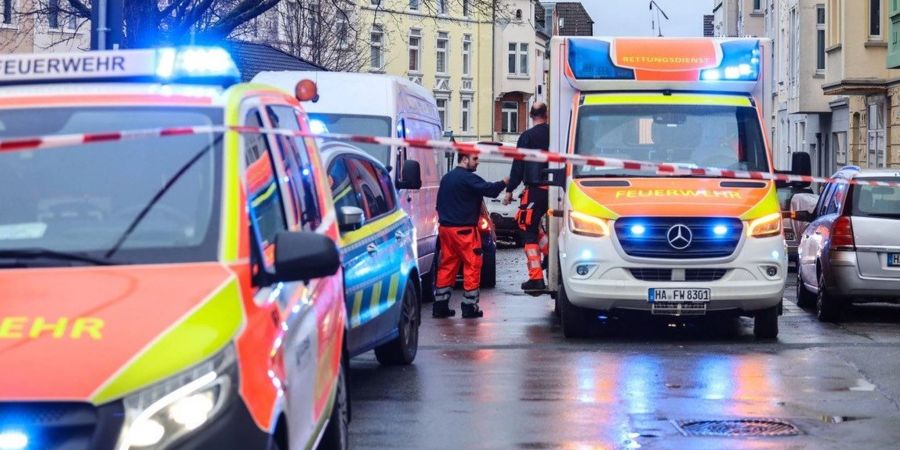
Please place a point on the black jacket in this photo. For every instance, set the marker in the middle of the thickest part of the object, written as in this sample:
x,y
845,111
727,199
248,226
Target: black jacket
x,y
460,196
531,173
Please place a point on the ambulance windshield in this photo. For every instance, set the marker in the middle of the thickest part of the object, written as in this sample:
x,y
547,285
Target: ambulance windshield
x,y
83,199
724,137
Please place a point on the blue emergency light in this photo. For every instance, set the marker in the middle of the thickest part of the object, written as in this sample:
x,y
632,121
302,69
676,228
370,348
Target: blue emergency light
x,y
740,62
13,440
590,59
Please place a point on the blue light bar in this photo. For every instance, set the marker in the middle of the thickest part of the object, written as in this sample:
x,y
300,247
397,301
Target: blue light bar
x,y
720,230
740,62
638,230
13,440
590,59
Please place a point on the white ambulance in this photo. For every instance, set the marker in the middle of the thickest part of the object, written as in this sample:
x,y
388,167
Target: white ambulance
x,y
646,242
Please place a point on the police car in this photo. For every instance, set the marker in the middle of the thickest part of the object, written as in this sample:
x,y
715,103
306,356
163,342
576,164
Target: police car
x,y
180,290
378,247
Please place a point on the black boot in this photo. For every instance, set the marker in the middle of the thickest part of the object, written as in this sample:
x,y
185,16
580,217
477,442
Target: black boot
x,y
471,311
534,285
441,310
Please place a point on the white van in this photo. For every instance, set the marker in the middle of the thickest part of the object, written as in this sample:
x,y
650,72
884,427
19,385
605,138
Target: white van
x,y
382,105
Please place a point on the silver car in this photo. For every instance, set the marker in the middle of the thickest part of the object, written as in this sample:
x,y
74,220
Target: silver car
x,y
850,252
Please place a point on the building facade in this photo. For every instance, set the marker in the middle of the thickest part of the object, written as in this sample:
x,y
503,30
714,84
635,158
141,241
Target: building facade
x,y
446,46
863,96
739,18
52,30
519,58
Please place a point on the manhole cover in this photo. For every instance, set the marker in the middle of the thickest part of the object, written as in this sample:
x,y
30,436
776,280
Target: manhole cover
x,y
737,427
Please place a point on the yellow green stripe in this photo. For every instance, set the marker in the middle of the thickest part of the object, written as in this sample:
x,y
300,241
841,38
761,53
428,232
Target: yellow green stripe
x,y
661,99
767,205
375,300
372,228
195,338
357,306
392,290
264,196
581,202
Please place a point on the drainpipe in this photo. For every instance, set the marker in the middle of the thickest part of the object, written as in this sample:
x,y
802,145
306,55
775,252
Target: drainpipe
x,y
493,66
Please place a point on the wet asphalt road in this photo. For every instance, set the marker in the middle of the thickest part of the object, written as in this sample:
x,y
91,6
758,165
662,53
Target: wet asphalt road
x,y
510,380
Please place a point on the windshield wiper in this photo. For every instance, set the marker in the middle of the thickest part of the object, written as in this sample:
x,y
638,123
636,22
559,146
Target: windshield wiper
x,y
159,195
45,253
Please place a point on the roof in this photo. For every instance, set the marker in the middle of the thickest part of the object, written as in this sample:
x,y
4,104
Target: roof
x,y
856,172
252,58
576,20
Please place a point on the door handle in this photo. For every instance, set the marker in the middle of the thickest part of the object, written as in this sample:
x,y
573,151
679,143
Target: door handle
x,y
372,248
399,235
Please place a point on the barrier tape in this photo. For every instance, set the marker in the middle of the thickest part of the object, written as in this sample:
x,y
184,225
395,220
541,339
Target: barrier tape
x,y
504,151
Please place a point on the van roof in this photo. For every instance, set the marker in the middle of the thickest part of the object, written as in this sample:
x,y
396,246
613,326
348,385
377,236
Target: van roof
x,y
344,92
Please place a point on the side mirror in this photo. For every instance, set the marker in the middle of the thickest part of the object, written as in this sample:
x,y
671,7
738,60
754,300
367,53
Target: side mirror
x,y
410,175
554,177
304,255
350,218
801,164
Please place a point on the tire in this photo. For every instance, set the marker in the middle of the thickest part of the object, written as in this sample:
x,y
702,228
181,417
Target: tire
x,y
428,279
765,323
828,308
489,270
576,321
337,434
805,299
402,350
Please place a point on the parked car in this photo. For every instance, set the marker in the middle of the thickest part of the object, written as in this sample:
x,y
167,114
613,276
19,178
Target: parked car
x,y
502,216
377,244
848,253
388,106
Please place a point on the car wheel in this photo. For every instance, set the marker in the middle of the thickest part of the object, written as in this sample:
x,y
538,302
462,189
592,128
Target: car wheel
x,y
765,323
489,270
428,279
828,308
337,433
805,299
576,321
402,350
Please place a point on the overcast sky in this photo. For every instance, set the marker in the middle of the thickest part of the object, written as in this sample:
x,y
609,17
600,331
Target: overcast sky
x,y
632,17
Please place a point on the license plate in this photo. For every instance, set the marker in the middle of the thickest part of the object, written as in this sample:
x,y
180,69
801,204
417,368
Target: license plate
x,y
677,295
894,259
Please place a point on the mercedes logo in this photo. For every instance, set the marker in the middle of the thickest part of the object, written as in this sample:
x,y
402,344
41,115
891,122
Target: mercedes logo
x,y
679,236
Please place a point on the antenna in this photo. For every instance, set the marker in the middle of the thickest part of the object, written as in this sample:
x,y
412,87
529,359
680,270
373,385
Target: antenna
x,y
658,12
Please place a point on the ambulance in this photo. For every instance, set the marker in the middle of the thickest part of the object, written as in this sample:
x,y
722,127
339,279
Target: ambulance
x,y
177,290
648,243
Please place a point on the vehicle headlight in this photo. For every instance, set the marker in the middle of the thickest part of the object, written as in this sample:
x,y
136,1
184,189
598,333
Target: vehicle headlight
x,y
588,225
160,414
765,226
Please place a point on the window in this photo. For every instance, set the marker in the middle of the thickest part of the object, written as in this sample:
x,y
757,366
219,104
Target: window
x,y
442,42
52,14
834,22
517,59
375,2
413,5
757,5
367,182
297,163
875,19
442,6
312,22
442,111
465,7
839,142
820,38
509,122
876,135
341,186
466,109
342,30
467,55
7,18
376,51
415,45
794,51
266,207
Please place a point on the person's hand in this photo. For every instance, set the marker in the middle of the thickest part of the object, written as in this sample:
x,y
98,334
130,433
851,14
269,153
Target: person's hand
x,y
506,181
507,199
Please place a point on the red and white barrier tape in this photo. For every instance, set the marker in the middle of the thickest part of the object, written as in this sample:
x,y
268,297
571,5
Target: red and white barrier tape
x,y
504,151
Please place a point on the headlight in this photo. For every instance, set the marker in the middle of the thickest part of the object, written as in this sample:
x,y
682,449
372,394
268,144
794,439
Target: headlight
x,y
588,225
160,414
765,226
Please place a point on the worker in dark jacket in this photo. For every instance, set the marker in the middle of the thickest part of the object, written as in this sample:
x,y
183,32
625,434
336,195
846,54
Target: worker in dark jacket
x,y
459,202
534,201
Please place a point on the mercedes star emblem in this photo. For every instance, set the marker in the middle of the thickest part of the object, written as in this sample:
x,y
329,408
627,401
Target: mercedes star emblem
x,y
680,236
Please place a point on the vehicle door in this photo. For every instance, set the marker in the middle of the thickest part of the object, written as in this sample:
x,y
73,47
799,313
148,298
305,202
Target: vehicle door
x,y
273,206
812,240
371,268
315,352
421,204
873,211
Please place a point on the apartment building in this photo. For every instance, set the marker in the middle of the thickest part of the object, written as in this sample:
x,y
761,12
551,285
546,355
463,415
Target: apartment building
x,y
24,31
446,46
863,94
893,62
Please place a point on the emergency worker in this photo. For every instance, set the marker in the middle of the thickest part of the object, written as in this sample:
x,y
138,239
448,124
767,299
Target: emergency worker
x,y
534,201
459,202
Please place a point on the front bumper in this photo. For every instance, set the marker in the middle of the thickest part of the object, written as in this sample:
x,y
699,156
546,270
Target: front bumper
x,y
609,284
505,226
233,428
846,281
